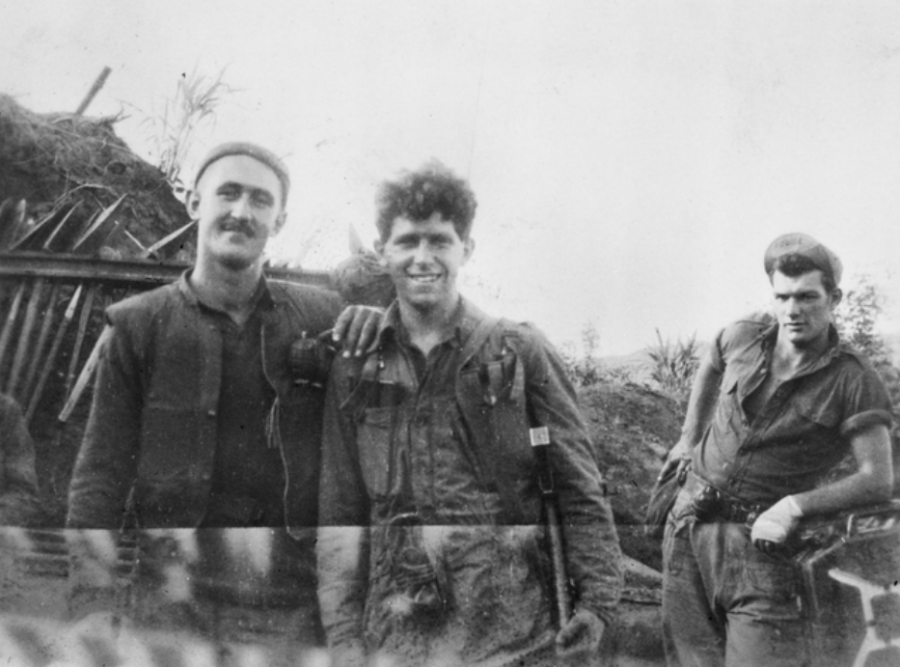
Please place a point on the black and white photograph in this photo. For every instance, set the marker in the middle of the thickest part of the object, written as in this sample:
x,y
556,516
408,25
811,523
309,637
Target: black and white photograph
x,y
450,333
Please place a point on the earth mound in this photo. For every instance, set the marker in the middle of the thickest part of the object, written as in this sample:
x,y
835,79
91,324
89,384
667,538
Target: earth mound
x,y
632,427
70,168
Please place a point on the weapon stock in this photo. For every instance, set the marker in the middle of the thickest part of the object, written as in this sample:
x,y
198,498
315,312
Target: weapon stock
x,y
540,441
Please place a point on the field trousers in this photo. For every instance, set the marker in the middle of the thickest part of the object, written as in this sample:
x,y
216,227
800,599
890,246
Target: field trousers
x,y
725,603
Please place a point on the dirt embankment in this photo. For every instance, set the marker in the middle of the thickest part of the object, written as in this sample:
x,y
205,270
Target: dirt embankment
x,y
632,428
54,161
68,186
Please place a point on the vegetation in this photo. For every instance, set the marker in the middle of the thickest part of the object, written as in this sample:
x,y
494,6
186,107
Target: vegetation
x,y
673,366
856,319
194,103
586,369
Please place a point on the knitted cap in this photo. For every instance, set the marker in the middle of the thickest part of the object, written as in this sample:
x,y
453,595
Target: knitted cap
x,y
255,151
805,245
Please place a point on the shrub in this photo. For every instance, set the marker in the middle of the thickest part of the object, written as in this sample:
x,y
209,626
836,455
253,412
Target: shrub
x,y
673,366
586,369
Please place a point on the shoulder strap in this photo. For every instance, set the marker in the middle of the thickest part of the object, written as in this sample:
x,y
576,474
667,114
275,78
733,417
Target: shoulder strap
x,y
502,424
360,379
478,338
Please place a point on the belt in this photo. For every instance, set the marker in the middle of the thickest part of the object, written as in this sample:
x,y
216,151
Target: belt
x,y
712,505
736,511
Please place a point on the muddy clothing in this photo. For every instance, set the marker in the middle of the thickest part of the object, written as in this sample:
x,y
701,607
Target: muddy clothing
x,y
718,588
18,481
430,455
199,423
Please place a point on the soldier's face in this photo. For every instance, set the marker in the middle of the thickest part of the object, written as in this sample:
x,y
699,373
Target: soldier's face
x,y
424,259
803,307
237,205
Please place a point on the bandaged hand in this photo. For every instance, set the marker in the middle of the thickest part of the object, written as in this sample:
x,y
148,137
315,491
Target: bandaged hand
x,y
579,639
773,526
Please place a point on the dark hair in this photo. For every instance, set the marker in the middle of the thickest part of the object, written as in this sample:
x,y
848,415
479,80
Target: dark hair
x,y
417,195
794,264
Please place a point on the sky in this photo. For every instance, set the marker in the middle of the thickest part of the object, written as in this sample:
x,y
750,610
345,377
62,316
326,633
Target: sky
x,y
631,160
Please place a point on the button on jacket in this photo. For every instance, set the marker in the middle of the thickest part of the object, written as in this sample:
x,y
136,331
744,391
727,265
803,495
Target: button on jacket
x,y
154,416
801,432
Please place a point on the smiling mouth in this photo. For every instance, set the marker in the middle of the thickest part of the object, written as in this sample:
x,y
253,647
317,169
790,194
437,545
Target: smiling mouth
x,y
424,278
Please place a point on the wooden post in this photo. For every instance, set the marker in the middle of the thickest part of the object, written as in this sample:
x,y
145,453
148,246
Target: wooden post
x,y
34,301
98,84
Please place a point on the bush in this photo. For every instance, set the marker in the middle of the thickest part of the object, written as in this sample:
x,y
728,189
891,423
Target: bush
x,y
673,367
855,319
587,370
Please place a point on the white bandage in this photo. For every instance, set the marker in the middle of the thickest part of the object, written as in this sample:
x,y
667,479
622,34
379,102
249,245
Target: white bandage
x,y
776,523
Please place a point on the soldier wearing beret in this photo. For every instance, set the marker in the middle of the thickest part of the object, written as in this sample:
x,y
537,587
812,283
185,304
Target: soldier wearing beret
x,y
202,418
776,404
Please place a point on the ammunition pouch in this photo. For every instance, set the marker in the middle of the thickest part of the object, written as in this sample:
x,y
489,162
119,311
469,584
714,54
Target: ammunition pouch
x,y
711,505
310,360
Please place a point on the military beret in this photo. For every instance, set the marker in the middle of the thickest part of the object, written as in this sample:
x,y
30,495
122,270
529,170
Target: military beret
x,y
806,246
255,151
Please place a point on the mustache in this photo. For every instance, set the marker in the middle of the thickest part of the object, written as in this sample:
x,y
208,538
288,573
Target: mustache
x,y
232,224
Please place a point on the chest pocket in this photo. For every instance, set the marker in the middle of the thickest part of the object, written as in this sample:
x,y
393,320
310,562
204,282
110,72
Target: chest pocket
x,y
375,406
498,378
373,435
816,410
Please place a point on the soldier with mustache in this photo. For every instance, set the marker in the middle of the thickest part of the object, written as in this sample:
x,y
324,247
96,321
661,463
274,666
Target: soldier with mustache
x,y
201,420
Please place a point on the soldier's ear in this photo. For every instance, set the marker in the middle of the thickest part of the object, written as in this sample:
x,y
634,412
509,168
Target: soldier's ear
x,y
279,222
836,295
468,249
192,203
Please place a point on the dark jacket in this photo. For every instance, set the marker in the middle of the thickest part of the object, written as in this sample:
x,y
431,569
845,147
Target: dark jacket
x,y
152,429
18,481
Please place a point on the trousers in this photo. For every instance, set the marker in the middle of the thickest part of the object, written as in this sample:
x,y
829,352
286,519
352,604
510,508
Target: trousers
x,y
725,603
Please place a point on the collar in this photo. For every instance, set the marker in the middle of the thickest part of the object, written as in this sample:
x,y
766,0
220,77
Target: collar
x,y
769,335
263,297
464,320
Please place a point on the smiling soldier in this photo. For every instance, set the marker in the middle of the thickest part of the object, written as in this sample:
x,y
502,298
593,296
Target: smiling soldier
x,y
776,405
200,420
429,506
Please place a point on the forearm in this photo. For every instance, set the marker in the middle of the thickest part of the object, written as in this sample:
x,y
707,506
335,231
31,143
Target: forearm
x,y
856,489
593,555
342,563
700,409
106,466
102,477
594,562
872,482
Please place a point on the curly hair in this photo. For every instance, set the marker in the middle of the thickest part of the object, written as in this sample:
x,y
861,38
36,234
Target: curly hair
x,y
417,195
796,264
